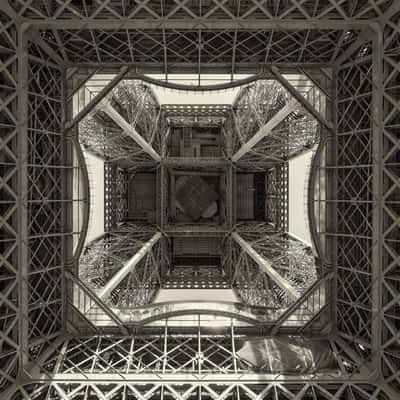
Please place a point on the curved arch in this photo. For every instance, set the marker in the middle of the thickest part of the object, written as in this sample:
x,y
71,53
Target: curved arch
x,y
205,88
86,188
159,311
312,179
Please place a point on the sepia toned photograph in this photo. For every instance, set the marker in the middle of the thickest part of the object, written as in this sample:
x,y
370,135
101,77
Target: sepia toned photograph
x,y
200,199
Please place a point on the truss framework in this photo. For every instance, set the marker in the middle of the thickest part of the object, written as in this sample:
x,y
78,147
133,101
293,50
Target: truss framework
x,y
106,258
142,367
366,317
115,195
125,124
291,260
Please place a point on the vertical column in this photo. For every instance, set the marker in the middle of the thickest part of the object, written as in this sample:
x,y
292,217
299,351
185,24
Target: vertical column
x,y
23,243
390,250
229,196
162,176
328,244
70,205
377,194
281,196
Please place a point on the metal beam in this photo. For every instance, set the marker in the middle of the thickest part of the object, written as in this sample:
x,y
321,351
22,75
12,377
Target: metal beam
x,y
217,24
106,378
317,286
266,129
199,162
266,266
90,300
99,97
128,267
23,194
128,129
361,39
300,98
378,191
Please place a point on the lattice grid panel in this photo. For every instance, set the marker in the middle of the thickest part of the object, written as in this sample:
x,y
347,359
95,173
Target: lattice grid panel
x,y
391,198
175,47
46,200
286,9
204,391
354,202
9,229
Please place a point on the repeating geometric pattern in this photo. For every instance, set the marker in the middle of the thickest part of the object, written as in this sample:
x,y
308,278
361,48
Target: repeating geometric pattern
x,y
291,259
204,391
137,105
115,195
277,191
172,48
287,9
354,162
9,229
46,199
200,277
354,202
391,199
102,258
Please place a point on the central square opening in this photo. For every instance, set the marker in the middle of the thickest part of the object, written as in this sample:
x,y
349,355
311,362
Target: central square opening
x,y
197,196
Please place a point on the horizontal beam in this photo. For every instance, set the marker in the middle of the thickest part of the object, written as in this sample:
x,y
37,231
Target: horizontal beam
x,y
206,378
199,23
128,267
196,162
128,129
266,266
266,129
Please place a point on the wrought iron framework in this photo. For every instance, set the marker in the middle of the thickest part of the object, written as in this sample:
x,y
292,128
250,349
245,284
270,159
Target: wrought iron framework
x,y
289,265
40,38
116,252
115,195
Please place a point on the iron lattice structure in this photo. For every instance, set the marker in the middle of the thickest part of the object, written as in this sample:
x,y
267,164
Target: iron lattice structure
x,y
115,195
358,40
100,134
104,257
291,258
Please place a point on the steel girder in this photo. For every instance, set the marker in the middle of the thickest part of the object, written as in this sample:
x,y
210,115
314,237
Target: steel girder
x,y
168,366
356,198
12,225
49,234
274,120
204,391
186,355
124,120
115,195
227,35
127,248
387,134
277,197
39,9
292,273
36,234
385,331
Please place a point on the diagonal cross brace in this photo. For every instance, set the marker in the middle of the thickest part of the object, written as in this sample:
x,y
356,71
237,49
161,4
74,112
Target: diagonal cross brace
x,y
266,266
128,129
266,129
128,267
98,98
301,99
